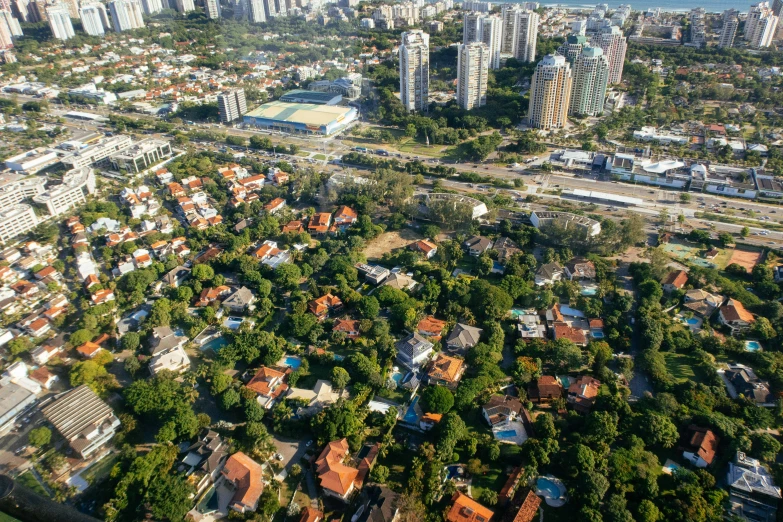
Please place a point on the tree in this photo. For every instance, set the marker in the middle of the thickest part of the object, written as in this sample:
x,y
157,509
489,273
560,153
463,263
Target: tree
x,y
169,497
229,399
685,197
19,345
545,426
725,240
340,377
202,272
647,512
437,399
368,307
615,510
745,232
130,341
40,437
659,429
476,467
764,446
379,474
79,337
132,365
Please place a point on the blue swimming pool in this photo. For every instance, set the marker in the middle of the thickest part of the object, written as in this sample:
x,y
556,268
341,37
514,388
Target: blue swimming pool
x,y
506,434
215,344
411,417
589,291
597,334
692,321
453,471
397,377
752,346
516,312
338,357
546,485
672,467
293,362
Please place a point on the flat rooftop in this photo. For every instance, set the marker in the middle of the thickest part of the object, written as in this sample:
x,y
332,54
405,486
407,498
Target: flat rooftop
x,y
317,97
303,113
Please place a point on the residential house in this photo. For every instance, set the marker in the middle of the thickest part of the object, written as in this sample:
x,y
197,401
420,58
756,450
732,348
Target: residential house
x,y
734,315
503,409
44,377
528,503
310,514
674,281
245,477
699,446
210,295
549,274
337,479
53,347
545,389
319,224
82,419
426,247
506,249
400,281
168,351
269,385
324,305
431,327
293,227
564,331
413,351
579,269
377,503
753,494
39,327
582,393
747,384
279,257
477,245
702,302
103,296
176,276
239,301
321,396
445,371
274,206
350,327
204,460
530,326
267,249
462,338
344,217
89,350
465,509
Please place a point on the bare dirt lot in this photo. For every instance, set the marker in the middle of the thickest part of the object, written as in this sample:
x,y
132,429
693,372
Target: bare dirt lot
x,y
389,241
746,258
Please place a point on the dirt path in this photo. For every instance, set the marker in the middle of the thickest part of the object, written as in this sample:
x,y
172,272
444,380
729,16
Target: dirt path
x,y
389,241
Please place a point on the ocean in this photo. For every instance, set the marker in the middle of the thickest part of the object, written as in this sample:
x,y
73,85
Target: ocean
x,y
714,6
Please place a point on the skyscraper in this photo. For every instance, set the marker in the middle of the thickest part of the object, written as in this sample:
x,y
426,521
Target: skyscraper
x,y
212,7
591,76
471,30
760,26
60,21
550,93
572,47
73,7
698,33
270,8
491,34
257,12
126,15
185,6
613,44
232,105
729,29
152,7
520,33
472,72
95,20
9,27
415,70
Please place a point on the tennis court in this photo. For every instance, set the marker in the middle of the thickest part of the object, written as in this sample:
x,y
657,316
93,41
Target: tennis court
x,y
685,252
746,258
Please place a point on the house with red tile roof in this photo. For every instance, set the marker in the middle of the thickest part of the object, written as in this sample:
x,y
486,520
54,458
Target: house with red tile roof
x,y
324,305
674,281
575,335
43,377
348,326
699,446
336,478
445,371
269,384
344,217
431,327
465,509
734,315
275,205
293,226
209,295
426,247
319,223
89,350
103,296
582,393
39,327
246,479
310,514
528,503
545,389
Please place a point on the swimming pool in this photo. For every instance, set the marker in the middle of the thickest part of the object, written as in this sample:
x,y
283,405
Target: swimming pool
x,y
550,489
597,334
506,434
215,344
752,346
232,323
453,471
692,321
672,467
516,312
397,377
293,362
411,417
338,357
589,290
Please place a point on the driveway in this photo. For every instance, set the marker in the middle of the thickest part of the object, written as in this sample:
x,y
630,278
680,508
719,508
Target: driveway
x,y
292,450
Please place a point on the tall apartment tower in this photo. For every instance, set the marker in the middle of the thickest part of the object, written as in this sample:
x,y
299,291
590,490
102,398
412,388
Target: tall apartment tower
x,y
185,6
12,24
415,70
729,30
472,71
613,44
520,33
591,77
60,21
777,8
95,20
257,11
572,47
698,33
471,28
508,40
7,27
550,93
152,7
126,15
212,7
760,26
232,105
479,27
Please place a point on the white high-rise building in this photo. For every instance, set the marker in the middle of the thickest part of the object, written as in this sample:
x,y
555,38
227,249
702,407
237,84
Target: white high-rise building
x,y
126,15
520,33
487,29
760,26
95,20
60,21
550,93
152,7
6,40
590,78
572,47
9,28
415,70
185,6
232,105
472,71
257,12
471,30
212,7
613,44
729,30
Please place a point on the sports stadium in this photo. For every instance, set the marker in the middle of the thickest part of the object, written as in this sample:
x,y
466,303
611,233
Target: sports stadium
x,y
301,118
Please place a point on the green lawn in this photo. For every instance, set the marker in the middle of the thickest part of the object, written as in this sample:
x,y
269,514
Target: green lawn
x,y
398,464
319,157
100,470
29,481
7,518
414,147
316,372
680,366
494,479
